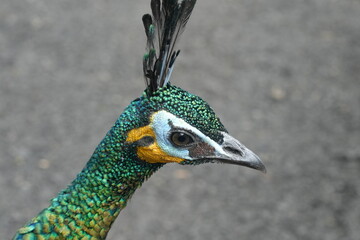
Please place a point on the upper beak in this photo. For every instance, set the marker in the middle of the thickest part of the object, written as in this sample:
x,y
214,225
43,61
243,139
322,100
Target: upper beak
x,y
236,153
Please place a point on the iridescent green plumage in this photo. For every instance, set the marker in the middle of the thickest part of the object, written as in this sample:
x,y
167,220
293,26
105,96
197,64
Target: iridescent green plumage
x,y
145,131
91,203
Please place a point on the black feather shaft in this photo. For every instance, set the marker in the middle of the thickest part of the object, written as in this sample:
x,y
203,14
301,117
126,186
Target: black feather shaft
x,y
168,20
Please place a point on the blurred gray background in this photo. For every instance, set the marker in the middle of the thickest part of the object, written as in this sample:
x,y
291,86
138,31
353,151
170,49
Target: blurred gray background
x,y
283,75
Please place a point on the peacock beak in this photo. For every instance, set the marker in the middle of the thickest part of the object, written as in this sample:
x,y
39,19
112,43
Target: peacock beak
x,y
229,151
236,153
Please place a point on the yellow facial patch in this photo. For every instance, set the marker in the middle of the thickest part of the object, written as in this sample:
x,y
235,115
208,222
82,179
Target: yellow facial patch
x,y
152,153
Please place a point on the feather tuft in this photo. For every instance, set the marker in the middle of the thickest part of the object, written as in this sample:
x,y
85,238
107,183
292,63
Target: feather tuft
x,y
162,29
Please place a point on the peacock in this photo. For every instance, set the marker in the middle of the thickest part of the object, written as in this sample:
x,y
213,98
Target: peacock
x,y
164,125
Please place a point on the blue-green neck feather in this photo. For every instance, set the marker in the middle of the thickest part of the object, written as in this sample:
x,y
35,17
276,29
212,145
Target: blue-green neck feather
x,y
90,204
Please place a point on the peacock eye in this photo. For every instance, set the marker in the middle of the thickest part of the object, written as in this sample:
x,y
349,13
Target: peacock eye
x,y
181,139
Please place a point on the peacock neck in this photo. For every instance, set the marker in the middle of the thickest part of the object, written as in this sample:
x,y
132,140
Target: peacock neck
x,y
101,190
87,208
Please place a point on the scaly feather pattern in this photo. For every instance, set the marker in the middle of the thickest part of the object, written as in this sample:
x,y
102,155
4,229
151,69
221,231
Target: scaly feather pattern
x,y
165,125
166,24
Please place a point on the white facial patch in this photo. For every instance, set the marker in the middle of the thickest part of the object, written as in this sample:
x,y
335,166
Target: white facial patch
x,y
160,123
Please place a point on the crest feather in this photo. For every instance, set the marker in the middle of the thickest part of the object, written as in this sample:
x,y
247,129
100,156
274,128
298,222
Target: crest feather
x,y
163,28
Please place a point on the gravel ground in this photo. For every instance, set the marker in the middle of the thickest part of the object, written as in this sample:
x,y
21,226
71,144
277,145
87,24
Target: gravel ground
x,y
283,75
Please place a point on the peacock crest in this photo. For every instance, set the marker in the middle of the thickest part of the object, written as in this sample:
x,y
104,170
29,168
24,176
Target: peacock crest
x,y
163,28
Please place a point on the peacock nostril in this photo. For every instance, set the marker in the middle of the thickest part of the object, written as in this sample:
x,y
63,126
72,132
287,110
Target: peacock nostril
x,y
234,151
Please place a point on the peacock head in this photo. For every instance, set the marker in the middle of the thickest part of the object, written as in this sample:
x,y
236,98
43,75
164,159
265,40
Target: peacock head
x,y
182,128
179,126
